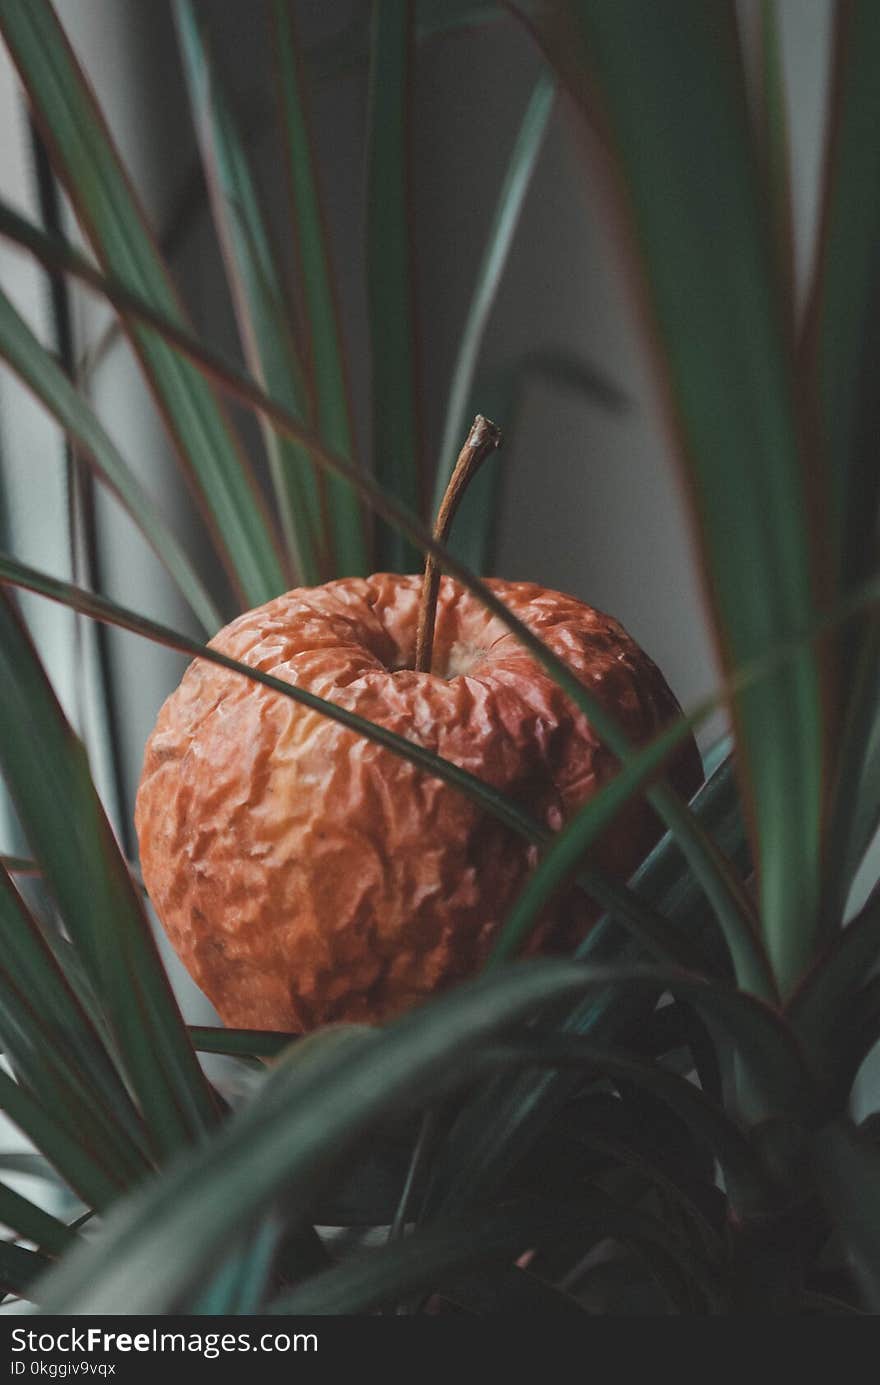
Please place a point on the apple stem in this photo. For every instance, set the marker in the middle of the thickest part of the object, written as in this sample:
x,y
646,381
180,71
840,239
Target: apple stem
x,y
482,440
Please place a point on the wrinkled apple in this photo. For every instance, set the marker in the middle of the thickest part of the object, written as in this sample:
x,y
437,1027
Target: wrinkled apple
x,y
307,875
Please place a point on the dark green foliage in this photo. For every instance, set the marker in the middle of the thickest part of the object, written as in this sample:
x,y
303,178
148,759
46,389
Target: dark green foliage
x,y
662,1123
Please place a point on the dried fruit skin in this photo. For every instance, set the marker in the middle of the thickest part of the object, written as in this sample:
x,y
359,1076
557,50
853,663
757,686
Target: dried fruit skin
x,y
306,875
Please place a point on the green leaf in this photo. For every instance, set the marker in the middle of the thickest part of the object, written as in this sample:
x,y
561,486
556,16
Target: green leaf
x,y
309,1118
258,296
675,108
842,327
515,185
662,940
840,342
323,329
53,1047
848,1180
33,364
19,865
32,1223
767,1047
717,754
25,1162
390,271
664,876
237,1288
240,1043
79,1165
19,1268
499,1126
852,1037
86,161
46,770
821,1002
569,848
855,816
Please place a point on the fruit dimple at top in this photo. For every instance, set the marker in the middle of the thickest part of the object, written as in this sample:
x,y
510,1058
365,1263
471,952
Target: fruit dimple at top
x,y
306,875
463,659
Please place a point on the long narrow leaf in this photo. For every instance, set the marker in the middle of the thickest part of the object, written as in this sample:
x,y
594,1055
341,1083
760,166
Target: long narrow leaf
x,y
19,865
236,1289
54,1048
240,1043
32,1223
258,294
841,341
839,972
34,365
843,322
675,110
323,330
28,1163
517,178
19,1268
570,847
500,1125
46,770
848,1168
85,159
851,1040
856,812
396,443
78,1165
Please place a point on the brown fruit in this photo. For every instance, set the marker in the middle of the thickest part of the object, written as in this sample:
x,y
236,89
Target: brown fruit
x,y
305,874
